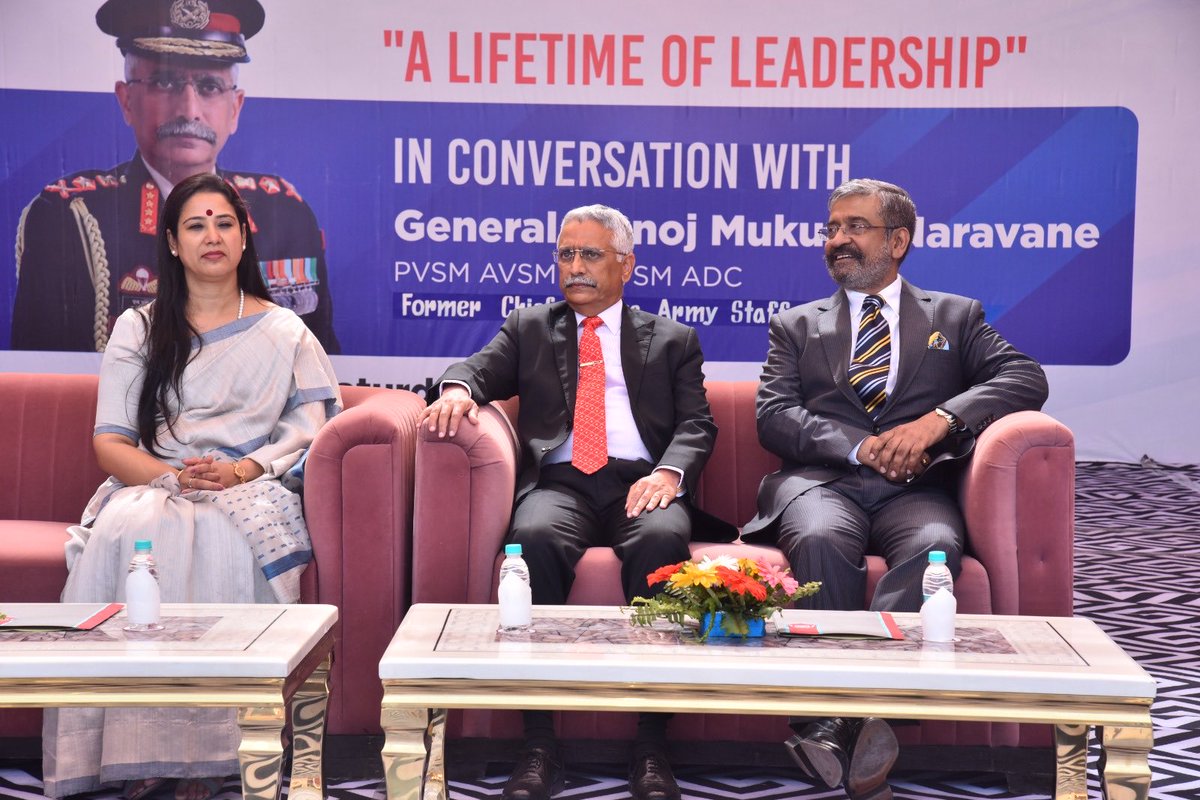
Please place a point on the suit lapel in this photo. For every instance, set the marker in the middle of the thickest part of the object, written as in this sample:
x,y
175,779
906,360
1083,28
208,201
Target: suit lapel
x,y
833,325
566,350
916,323
636,334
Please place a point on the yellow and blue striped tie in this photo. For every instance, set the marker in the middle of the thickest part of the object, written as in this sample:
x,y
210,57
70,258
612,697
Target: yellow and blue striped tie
x,y
872,356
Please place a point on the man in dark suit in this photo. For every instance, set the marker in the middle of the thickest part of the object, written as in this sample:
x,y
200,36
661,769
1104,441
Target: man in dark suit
x,y
615,428
859,394
86,244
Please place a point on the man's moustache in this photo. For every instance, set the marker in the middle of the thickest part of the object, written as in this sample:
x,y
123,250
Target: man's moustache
x,y
186,127
580,280
846,249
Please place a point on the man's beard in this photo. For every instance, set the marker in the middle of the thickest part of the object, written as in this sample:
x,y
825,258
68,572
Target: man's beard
x,y
861,277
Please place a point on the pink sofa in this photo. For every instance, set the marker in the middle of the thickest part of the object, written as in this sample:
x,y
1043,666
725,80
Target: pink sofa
x,y
1017,494
358,501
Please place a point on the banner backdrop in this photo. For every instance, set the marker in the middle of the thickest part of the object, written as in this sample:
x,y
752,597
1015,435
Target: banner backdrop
x,y
438,148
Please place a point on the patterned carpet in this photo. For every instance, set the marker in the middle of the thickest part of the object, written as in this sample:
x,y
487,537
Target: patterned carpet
x,y
1137,573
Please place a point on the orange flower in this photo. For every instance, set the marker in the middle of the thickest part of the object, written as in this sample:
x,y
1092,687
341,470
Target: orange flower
x,y
741,583
662,573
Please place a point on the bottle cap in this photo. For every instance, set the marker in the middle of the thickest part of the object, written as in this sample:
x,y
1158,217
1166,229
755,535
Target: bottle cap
x,y
141,544
937,557
512,549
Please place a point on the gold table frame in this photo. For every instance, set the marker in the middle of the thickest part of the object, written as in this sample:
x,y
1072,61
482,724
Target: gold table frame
x,y
263,706
414,716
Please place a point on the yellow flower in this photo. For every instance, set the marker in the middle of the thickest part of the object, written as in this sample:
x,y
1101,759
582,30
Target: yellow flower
x,y
693,575
748,566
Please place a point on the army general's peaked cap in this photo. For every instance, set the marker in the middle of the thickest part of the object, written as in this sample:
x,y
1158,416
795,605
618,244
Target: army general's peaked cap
x,y
211,30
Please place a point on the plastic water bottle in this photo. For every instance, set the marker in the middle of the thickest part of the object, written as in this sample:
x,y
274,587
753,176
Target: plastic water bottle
x,y
937,576
142,601
516,597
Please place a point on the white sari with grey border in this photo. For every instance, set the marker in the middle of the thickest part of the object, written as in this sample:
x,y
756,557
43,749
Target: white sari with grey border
x,y
259,388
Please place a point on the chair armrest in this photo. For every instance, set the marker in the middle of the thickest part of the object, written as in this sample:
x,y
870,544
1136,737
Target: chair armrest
x,y
358,483
358,486
462,507
1018,499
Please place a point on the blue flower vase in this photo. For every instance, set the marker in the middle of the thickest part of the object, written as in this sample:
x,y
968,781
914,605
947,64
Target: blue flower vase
x,y
757,627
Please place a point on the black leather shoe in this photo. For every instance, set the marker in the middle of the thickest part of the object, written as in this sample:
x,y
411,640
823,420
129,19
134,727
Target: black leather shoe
x,y
793,745
822,749
538,775
871,758
650,777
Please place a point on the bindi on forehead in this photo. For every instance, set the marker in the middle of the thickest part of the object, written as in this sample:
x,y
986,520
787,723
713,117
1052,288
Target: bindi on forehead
x,y
208,212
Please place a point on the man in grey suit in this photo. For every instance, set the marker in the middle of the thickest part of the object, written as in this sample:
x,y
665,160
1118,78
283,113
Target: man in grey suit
x,y
650,420
860,393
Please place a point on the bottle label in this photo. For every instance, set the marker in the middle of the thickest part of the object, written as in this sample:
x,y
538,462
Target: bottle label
x,y
516,602
142,599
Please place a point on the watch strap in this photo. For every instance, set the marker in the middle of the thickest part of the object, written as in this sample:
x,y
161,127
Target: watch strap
x,y
951,420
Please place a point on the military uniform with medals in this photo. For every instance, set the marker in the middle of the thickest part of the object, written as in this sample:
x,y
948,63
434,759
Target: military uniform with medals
x,y
86,252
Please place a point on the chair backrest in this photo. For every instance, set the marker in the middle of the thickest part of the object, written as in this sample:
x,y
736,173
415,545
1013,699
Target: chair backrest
x,y
48,469
729,484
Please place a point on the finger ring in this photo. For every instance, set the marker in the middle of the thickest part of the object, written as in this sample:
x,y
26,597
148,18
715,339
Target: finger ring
x,y
189,481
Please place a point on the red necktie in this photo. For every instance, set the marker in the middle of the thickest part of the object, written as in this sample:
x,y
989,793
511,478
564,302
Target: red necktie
x,y
590,451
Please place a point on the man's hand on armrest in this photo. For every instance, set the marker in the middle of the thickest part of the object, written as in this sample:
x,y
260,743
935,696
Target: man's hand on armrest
x,y
444,414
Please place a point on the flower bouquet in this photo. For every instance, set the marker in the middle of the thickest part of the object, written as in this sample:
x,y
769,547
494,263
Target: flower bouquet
x,y
738,591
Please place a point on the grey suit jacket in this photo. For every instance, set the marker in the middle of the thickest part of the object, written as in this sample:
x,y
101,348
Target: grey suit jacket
x,y
809,415
535,357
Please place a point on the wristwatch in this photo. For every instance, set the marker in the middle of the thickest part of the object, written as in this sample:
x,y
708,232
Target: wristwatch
x,y
951,420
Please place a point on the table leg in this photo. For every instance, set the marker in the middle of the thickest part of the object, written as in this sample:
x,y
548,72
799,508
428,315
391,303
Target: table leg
x,y
1126,773
260,753
435,772
1070,747
308,735
413,747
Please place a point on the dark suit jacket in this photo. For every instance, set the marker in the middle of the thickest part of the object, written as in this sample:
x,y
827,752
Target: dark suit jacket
x,y
809,415
535,357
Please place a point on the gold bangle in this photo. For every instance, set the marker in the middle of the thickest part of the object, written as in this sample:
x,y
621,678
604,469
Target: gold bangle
x,y
179,476
238,472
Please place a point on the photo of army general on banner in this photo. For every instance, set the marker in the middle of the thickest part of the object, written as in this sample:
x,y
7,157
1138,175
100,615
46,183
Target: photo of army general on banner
x,y
405,190
85,245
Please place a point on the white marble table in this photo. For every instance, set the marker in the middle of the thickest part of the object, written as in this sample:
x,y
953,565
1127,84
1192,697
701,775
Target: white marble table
x,y
1056,670
256,658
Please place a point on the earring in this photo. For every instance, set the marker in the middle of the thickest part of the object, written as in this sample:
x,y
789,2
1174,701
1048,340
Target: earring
x,y
174,254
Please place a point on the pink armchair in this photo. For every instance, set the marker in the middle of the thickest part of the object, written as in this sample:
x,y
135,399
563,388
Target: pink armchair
x,y
1017,495
358,501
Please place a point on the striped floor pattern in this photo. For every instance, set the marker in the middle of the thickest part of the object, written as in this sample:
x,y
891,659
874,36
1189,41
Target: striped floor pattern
x,y
1137,573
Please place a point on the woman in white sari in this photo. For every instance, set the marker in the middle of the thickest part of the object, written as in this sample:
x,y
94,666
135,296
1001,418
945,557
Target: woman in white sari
x,y
209,398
